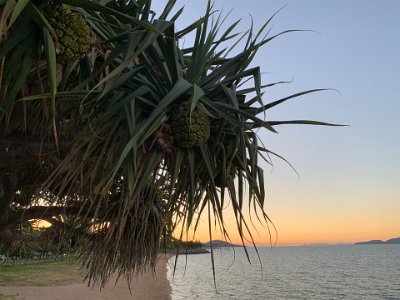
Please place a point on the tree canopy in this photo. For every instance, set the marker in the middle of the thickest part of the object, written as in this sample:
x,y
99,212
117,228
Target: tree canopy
x,y
115,131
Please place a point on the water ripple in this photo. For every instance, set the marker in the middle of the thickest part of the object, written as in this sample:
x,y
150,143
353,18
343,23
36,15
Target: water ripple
x,y
330,272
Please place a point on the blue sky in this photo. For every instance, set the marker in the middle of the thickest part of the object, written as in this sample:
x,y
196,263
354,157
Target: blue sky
x,y
349,183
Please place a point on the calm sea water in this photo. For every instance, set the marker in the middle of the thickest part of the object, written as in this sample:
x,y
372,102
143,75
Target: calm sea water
x,y
309,272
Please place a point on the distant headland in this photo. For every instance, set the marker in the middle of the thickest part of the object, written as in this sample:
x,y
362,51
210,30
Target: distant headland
x,y
380,242
219,244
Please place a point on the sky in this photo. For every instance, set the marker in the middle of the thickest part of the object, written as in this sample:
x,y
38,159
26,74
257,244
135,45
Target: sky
x,y
348,186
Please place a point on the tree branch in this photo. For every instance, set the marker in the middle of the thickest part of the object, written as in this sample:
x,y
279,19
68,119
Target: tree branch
x,y
36,212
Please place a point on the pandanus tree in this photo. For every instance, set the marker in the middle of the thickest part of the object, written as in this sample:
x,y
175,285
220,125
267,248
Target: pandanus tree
x,y
115,132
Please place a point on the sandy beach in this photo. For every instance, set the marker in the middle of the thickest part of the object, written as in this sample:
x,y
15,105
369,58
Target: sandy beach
x,y
148,286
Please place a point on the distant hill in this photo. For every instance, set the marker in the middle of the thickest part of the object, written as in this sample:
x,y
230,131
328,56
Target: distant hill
x,y
372,242
218,244
393,241
380,242
326,244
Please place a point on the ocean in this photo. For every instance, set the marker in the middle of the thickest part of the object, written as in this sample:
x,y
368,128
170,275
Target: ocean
x,y
306,272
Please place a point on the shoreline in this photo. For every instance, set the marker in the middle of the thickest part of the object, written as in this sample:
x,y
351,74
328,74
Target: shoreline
x,y
150,285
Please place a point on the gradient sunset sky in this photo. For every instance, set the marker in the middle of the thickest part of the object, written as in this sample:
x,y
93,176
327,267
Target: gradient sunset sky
x,y
348,188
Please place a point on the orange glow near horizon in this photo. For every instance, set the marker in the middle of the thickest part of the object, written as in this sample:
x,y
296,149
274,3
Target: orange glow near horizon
x,y
295,227
288,235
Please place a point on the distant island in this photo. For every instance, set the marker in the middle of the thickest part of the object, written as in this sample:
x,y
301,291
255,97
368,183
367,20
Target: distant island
x,y
219,244
326,244
380,242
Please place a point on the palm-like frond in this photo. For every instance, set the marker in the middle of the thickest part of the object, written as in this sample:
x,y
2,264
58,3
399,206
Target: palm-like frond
x,y
121,173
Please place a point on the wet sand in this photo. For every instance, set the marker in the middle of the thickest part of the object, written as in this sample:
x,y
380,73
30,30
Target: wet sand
x,y
148,286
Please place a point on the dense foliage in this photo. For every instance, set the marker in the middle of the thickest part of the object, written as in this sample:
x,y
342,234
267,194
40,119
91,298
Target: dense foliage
x,y
116,132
